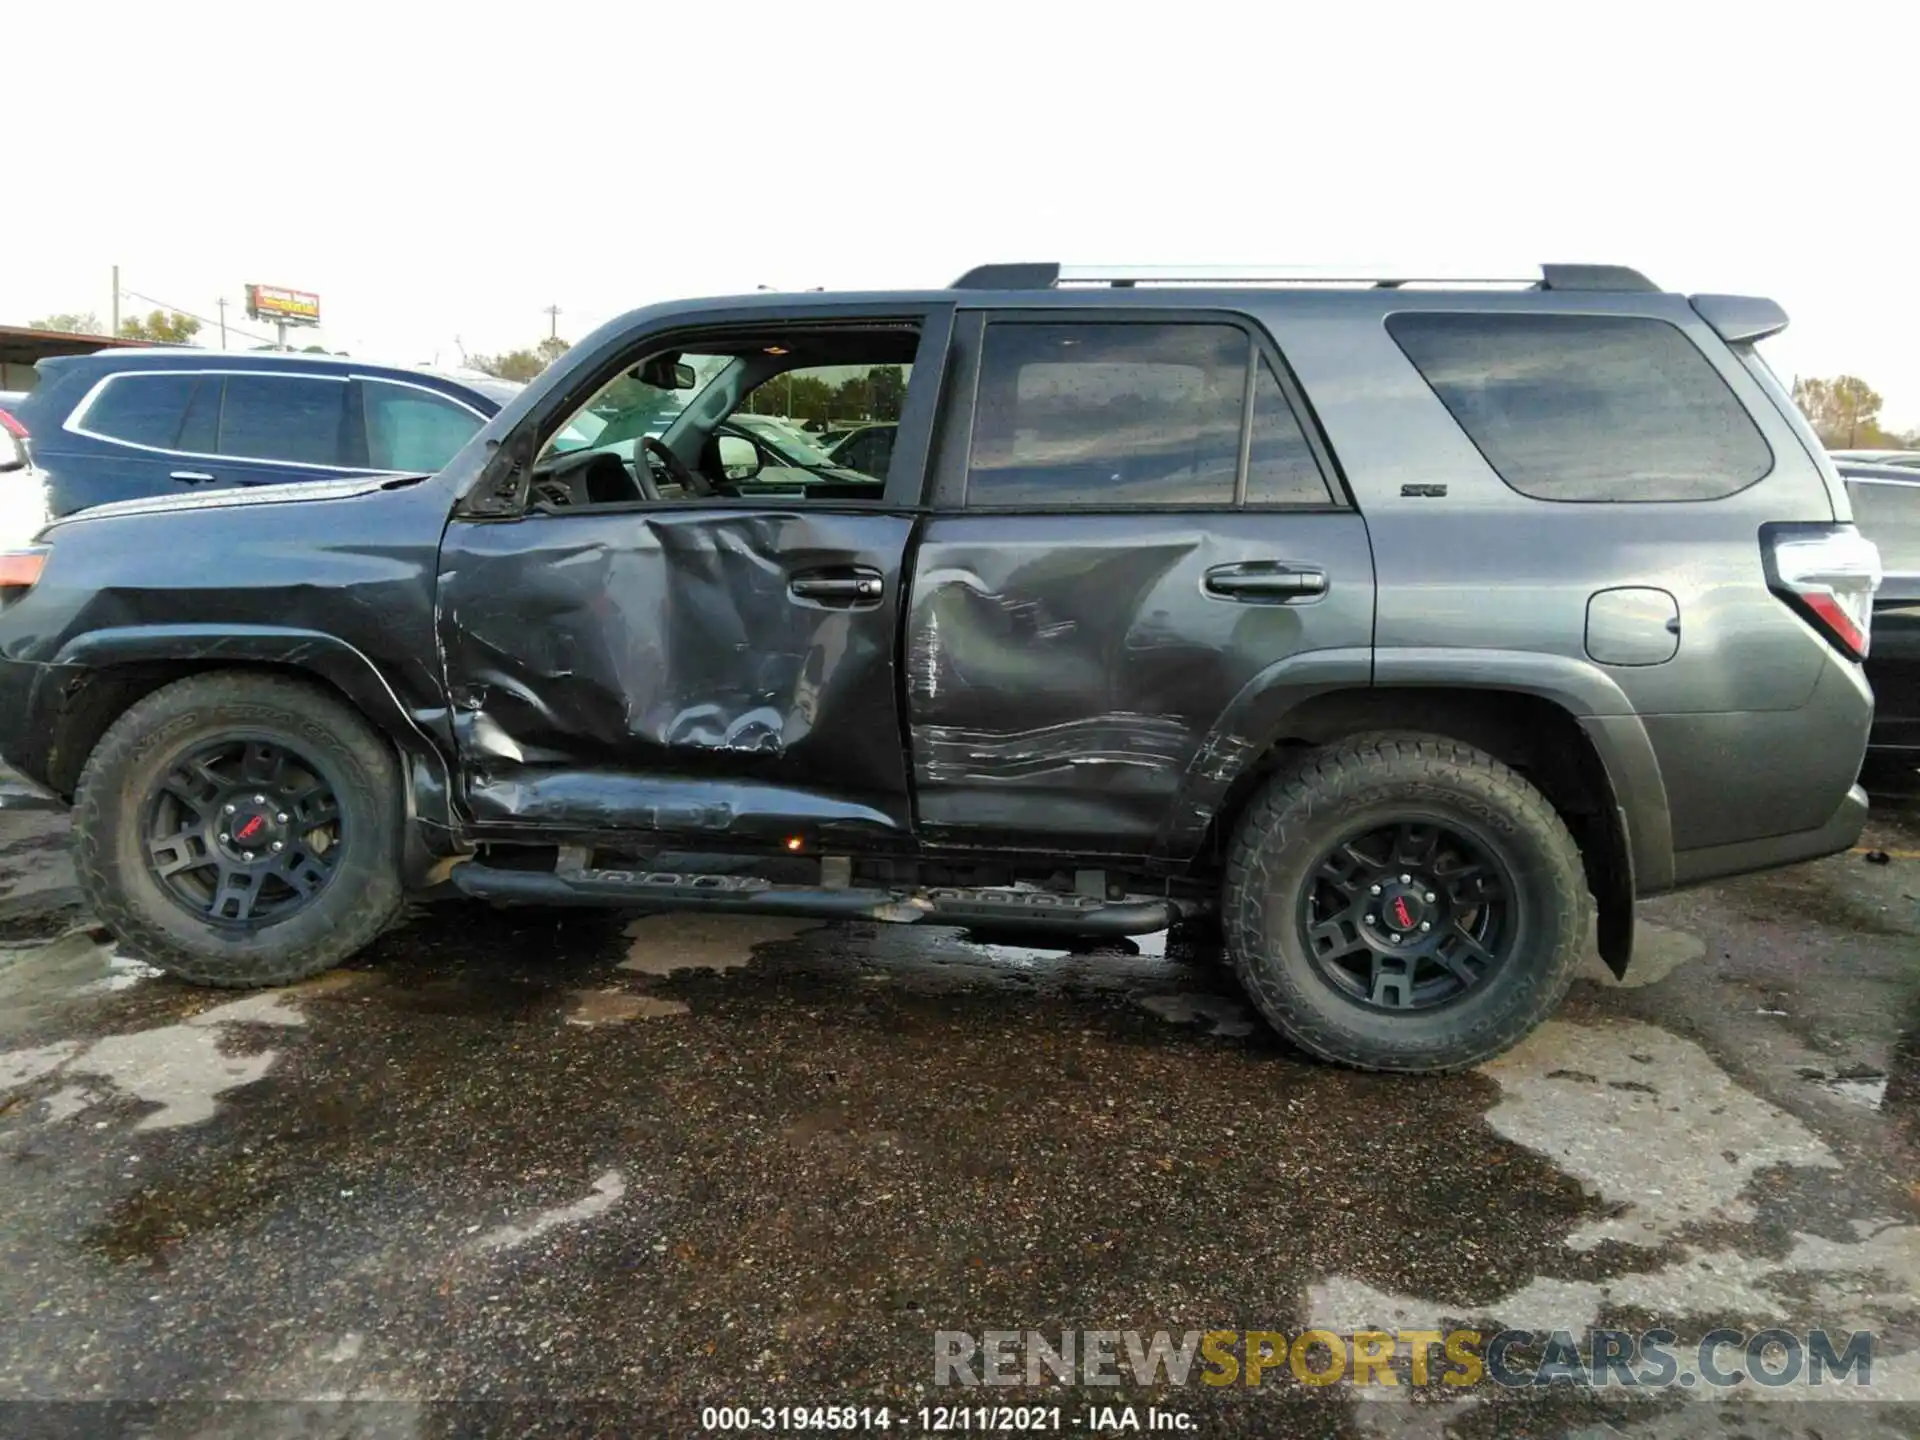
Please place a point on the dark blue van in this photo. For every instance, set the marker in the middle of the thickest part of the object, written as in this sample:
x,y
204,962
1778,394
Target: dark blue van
x,y
127,424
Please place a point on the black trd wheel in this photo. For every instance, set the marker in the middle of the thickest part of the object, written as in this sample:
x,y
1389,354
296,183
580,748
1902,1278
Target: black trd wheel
x,y
1404,902
240,830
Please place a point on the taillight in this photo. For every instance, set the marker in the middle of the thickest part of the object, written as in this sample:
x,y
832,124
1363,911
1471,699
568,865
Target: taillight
x,y
1829,574
13,443
20,569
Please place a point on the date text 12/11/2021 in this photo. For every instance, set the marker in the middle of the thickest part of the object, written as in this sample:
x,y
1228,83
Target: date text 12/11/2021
x,y
948,1419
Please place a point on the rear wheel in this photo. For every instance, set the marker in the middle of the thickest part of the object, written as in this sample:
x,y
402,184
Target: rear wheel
x,y
1405,902
240,830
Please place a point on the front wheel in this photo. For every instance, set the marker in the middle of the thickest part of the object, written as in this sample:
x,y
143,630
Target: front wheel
x,y
1404,902
240,830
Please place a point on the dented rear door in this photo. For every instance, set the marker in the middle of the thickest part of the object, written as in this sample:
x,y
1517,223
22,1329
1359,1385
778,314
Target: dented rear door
x,y
1138,559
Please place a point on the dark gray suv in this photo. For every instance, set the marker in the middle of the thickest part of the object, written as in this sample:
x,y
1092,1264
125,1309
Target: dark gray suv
x,y
1397,628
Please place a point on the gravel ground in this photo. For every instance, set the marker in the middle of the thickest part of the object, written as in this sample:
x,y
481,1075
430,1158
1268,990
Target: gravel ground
x,y
513,1173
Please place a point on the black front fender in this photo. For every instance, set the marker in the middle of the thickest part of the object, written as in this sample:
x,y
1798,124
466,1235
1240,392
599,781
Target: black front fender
x,y
326,657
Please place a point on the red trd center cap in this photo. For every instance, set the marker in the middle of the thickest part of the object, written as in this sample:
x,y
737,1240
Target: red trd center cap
x,y
1401,909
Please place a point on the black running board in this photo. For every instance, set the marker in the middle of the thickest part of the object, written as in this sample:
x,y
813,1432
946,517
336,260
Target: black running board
x,y
749,895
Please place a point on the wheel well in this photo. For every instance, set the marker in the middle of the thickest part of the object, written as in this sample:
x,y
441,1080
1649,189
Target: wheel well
x,y
98,697
1535,737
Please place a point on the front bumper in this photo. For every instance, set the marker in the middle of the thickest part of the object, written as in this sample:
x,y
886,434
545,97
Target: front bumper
x,y
29,707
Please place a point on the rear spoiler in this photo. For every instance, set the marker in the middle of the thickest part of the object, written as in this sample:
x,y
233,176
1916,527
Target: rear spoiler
x,y
1740,319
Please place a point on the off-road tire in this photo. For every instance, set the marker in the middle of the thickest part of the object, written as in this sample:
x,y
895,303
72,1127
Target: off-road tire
x,y
1302,811
359,901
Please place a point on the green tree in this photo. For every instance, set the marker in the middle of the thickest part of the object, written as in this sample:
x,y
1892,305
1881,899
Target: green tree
x,y
1844,412
520,365
514,365
81,322
162,327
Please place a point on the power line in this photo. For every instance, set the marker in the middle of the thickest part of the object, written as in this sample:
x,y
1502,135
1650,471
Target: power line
x,y
204,320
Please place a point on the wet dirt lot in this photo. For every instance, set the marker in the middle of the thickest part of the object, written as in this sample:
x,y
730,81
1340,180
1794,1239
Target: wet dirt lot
x,y
514,1173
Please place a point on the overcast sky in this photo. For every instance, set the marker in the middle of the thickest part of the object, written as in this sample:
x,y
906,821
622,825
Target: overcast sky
x,y
440,175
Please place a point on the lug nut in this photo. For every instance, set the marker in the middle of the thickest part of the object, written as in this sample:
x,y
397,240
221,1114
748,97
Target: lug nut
x,y
1373,919
1428,897
278,846
1374,891
259,799
1406,879
227,810
1424,924
1393,939
246,854
282,818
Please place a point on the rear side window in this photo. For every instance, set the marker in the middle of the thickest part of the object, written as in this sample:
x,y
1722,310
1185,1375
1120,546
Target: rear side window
x,y
1145,414
1588,407
284,417
414,430
1887,512
1281,469
140,409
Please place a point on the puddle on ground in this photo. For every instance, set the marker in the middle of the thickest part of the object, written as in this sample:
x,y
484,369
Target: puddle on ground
x,y
182,1069
663,944
617,1007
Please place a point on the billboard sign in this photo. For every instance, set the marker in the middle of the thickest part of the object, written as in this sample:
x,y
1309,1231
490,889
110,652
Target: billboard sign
x,y
287,307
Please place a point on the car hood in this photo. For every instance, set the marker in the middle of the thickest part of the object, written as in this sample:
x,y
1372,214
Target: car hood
x,y
298,492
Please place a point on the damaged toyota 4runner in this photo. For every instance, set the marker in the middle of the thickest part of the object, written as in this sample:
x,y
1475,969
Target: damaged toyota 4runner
x,y
1405,631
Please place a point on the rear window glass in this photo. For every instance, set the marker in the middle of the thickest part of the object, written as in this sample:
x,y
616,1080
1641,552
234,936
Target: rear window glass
x,y
1888,513
284,417
413,430
1588,407
141,409
1108,414
1281,469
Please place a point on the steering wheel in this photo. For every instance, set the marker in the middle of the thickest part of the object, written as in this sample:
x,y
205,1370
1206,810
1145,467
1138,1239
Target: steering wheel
x,y
686,478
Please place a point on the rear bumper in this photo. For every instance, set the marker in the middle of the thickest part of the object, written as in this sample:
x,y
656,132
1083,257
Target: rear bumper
x,y
1717,862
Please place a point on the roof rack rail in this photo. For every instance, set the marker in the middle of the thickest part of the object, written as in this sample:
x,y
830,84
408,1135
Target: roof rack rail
x,y
1049,275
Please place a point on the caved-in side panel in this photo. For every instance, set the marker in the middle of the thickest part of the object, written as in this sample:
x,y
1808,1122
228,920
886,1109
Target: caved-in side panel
x,y
671,645
1066,673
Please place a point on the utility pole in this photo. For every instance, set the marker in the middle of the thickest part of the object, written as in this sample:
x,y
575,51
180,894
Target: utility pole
x,y
222,302
553,322
116,300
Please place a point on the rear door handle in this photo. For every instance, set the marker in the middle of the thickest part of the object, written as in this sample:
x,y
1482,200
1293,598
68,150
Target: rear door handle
x,y
853,586
192,477
1266,581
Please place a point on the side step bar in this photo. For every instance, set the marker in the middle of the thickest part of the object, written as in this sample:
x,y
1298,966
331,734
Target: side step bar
x,y
750,895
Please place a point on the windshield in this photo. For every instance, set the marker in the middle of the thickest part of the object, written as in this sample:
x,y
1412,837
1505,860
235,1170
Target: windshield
x,y
791,443
627,408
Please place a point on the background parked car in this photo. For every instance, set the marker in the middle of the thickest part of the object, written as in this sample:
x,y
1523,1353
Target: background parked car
x,y
868,449
127,424
1905,459
1886,507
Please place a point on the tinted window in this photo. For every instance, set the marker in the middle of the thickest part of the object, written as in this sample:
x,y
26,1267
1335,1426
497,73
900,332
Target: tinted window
x,y
1280,467
141,409
1888,513
410,429
284,417
200,431
1588,407
1108,415
869,452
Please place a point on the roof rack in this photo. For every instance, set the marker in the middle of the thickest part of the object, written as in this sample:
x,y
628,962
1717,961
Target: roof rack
x,y
1049,275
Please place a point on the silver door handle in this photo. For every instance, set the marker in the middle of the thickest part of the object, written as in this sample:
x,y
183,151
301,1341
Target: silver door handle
x,y
192,477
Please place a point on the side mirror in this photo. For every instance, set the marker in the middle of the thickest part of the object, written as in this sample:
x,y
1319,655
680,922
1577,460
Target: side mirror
x,y
665,372
739,457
